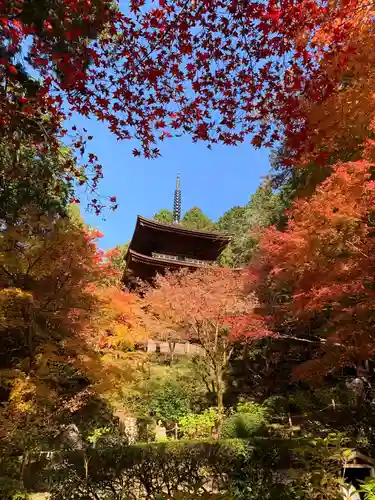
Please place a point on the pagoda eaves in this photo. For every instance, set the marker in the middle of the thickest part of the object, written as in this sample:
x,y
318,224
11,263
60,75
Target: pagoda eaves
x,y
156,246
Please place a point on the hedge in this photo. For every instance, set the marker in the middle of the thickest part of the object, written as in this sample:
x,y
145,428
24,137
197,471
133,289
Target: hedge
x,y
230,469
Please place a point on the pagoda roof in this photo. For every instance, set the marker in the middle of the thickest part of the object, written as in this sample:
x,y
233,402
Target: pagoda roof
x,y
159,261
145,267
151,236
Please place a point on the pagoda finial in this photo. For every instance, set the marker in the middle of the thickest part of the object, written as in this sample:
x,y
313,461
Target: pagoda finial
x,y
177,202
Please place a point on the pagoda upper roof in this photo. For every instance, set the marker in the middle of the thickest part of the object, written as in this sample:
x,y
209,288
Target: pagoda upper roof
x,y
155,237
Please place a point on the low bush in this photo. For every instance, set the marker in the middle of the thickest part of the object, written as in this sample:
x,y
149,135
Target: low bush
x,y
199,425
249,419
231,469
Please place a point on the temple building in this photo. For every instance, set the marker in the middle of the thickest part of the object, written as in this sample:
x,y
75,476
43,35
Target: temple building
x,y
156,247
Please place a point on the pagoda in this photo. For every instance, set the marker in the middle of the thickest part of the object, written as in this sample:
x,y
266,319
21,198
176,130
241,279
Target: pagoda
x,y
156,246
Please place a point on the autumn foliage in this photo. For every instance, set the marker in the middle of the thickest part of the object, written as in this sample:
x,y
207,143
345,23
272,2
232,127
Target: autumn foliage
x,y
226,71
220,71
121,320
298,76
206,307
316,279
55,307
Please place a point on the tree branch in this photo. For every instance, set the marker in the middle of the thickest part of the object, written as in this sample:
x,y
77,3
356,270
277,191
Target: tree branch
x,y
320,341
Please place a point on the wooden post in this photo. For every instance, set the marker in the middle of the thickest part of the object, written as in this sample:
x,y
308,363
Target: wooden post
x,y
290,424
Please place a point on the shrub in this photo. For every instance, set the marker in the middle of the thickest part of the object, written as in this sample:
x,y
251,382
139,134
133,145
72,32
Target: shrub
x,y
169,403
199,425
368,488
148,470
249,419
232,469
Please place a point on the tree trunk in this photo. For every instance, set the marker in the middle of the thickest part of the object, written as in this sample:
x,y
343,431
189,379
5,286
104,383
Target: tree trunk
x,y
219,400
28,319
24,464
219,390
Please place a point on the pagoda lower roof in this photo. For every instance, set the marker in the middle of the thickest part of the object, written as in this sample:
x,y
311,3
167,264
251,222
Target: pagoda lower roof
x,y
145,267
151,236
159,261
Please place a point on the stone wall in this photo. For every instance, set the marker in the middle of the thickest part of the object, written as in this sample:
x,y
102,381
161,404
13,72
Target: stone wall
x,y
180,348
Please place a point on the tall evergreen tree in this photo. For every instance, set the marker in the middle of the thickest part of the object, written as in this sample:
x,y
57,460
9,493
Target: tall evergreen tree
x,y
264,209
196,219
164,216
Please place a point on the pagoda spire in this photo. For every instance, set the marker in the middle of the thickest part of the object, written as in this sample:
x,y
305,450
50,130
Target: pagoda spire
x,y
177,202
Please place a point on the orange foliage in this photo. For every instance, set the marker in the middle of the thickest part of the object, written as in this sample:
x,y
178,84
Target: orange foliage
x,y
316,279
321,270
212,296
54,305
334,118
207,307
120,324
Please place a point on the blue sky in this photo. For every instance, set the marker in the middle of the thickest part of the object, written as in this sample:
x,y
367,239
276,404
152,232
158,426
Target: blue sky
x,y
215,180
